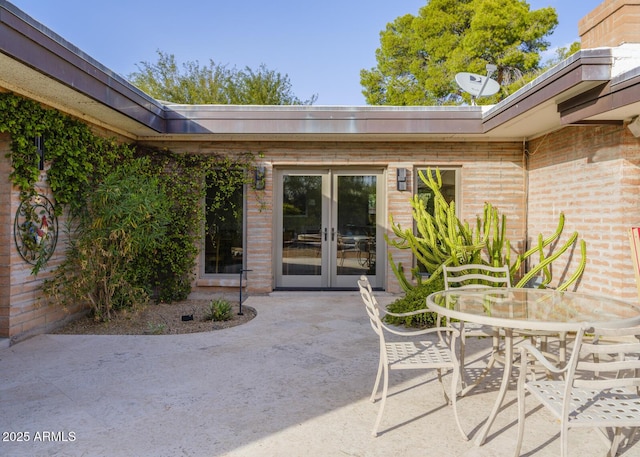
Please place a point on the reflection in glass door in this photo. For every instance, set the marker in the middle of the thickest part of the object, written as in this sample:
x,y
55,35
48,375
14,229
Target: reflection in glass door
x,y
304,236
355,216
328,226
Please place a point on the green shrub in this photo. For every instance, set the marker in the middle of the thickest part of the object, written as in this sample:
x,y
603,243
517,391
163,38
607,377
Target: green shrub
x,y
124,219
415,299
219,310
156,329
80,164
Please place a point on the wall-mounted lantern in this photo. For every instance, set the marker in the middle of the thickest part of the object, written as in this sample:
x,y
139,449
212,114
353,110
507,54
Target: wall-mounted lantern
x,y
39,143
402,179
260,177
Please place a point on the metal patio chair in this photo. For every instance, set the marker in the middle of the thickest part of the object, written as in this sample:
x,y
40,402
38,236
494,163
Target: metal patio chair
x,y
475,276
408,351
599,388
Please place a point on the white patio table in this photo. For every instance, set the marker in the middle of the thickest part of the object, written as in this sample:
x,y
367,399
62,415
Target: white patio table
x,y
530,310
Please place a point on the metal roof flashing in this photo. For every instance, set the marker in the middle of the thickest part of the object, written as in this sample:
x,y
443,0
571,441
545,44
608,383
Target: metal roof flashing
x,y
625,58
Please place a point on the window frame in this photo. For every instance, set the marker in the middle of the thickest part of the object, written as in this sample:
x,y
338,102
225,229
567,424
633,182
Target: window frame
x,y
203,250
457,170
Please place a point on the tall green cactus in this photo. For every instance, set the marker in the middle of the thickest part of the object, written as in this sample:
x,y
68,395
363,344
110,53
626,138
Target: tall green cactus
x,y
442,239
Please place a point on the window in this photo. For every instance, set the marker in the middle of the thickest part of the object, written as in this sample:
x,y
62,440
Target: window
x,y
224,234
448,188
448,191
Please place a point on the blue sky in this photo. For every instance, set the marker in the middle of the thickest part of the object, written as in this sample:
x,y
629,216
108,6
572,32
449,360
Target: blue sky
x,y
320,45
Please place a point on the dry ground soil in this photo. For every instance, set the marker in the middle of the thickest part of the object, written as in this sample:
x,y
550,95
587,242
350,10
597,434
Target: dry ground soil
x,y
188,316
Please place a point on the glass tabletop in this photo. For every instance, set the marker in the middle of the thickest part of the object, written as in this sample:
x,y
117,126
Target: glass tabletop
x,y
533,308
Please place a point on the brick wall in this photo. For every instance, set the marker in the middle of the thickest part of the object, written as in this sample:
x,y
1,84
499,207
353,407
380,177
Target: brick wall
x,y
591,175
22,309
489,172
260,233
612,23
6,242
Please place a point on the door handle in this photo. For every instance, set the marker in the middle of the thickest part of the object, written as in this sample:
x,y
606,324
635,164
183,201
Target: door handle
x,y
325,233
333,233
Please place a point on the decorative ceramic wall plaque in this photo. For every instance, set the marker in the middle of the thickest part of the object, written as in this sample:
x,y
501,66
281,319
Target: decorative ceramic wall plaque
x,y
35,230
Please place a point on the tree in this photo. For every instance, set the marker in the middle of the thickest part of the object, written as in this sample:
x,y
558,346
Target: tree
x,y
420,55
561,54
213,84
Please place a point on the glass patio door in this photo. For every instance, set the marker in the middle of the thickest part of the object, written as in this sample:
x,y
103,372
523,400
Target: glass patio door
x,y
328,228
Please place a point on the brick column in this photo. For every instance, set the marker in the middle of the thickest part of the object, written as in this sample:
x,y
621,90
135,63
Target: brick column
x,y
611,24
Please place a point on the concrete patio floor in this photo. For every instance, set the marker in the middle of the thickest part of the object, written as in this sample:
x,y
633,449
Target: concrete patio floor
x,y
295,381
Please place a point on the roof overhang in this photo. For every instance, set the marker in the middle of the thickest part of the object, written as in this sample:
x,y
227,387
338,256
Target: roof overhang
x,y
39,64
610,102
588,87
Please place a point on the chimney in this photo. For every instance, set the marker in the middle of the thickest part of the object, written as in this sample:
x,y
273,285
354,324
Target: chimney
x,y
611,24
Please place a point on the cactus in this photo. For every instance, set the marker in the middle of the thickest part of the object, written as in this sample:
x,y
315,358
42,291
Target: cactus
x,y
442,239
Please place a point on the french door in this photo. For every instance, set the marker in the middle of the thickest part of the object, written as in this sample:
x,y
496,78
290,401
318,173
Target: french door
x,y
329,228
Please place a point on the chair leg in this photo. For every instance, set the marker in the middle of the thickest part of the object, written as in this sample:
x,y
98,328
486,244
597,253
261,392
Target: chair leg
x,y
521,415
615,443
444,391
564,440
385,385
562,338
492,360
463,342
454,405
377,383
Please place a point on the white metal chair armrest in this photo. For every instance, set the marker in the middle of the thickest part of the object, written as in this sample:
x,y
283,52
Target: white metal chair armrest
x,y
599,389
410,313
528,349
454,332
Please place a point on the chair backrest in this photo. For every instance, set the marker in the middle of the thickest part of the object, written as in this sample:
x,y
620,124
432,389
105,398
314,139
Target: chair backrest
x,y
611,359
476,275
634,239
371,305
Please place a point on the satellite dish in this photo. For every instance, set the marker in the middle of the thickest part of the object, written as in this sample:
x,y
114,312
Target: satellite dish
x,y
477,85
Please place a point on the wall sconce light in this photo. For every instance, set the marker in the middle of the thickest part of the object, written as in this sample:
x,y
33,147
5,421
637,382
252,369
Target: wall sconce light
x,y
260,178
402,179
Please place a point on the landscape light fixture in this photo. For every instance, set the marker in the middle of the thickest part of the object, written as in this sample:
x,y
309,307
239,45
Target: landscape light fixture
x,y
240,313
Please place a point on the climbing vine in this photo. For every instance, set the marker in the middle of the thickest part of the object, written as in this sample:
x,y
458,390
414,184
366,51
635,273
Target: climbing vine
x,y
78,161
